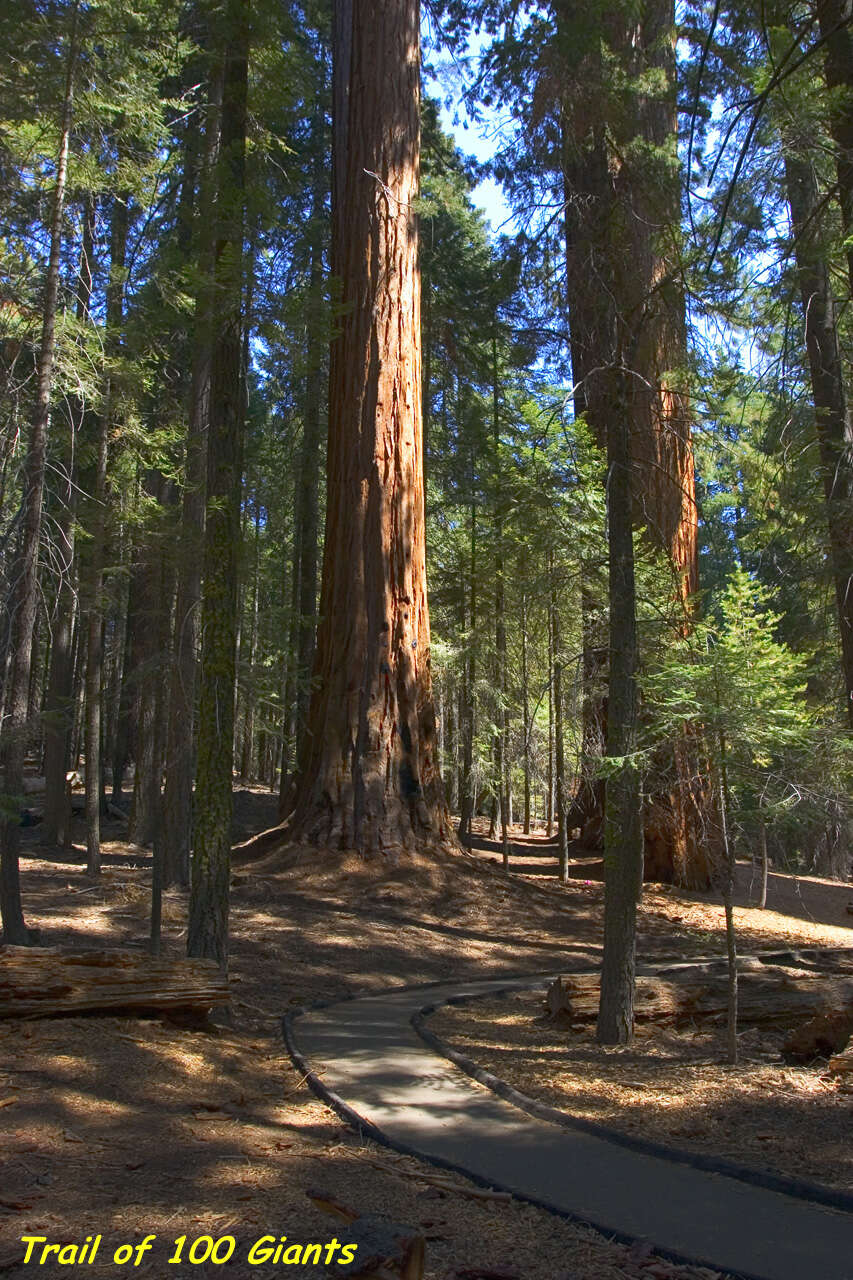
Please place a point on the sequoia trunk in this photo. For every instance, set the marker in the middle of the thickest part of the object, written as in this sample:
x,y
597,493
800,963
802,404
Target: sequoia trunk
x,y
832,413
622,220
369,776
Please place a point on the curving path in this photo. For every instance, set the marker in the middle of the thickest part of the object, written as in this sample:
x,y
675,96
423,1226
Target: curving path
x,y
365,1057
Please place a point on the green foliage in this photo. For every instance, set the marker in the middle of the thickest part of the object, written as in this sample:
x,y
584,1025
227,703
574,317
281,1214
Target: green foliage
x,y
737,680
514,481
788,764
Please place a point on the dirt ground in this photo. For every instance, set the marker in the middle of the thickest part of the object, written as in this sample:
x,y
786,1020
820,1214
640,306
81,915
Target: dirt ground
x,y
668,1086
127,1127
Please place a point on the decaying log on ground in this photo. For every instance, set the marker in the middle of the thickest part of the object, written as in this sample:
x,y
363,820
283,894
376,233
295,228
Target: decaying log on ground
x,y
769,996
385,1249
46,981
821,1036
841,1063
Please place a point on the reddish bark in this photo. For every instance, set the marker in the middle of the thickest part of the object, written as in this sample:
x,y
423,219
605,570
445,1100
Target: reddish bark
x,y
369,776
626,308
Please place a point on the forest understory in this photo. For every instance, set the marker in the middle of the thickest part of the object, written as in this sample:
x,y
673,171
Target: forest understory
x,y
268,364
670,1085
126,1126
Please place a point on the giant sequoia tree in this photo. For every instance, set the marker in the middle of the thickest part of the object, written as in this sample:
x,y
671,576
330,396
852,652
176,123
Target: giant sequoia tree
x,y
369,776
157,353
626,310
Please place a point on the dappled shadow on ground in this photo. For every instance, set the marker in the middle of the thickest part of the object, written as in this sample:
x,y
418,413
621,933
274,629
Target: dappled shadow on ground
x,y
803,897
801,911
126,1127
671,1086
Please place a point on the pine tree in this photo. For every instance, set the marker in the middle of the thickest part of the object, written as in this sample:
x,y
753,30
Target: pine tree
x,y
746,688
207,934
24,575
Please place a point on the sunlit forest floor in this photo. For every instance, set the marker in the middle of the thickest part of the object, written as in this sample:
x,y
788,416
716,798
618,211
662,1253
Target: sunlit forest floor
x,y
127,1126
671,1086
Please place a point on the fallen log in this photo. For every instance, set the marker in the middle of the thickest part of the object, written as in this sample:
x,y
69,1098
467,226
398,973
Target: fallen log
x,y
47,981
538,850
767,997
841,1063
821,1036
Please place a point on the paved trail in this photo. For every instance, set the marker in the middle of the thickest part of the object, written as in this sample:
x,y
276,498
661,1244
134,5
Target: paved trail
x,y
366,1054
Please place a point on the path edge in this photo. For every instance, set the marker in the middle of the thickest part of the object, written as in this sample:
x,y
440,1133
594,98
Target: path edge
x,y
366,1128
797,1188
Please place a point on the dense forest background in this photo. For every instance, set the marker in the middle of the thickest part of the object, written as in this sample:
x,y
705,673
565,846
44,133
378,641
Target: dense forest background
x,y
166,176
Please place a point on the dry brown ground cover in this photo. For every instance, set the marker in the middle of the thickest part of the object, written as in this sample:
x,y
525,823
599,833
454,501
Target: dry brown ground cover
x,y
669,1086
674,1086
126,1126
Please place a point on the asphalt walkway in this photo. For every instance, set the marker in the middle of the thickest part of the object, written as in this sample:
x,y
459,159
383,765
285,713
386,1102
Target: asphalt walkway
x,y
366,1058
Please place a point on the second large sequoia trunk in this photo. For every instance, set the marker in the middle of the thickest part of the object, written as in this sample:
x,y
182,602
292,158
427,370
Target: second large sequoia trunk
x,y
369,777
626,306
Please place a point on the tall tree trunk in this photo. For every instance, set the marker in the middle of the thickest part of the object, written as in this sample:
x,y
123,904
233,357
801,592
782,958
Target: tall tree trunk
x,y
154,600
342,38
34,687
207,934
95,576
307,497
370,778
549,799
121,699
588,804
59,704
156,807
622,240
833,419
177,804
559,750
623,830
248,746
500,636
426,389
294,721
682,821
468,798
450,754
765,861
836,17
525,712
79,685
288,687
25,592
